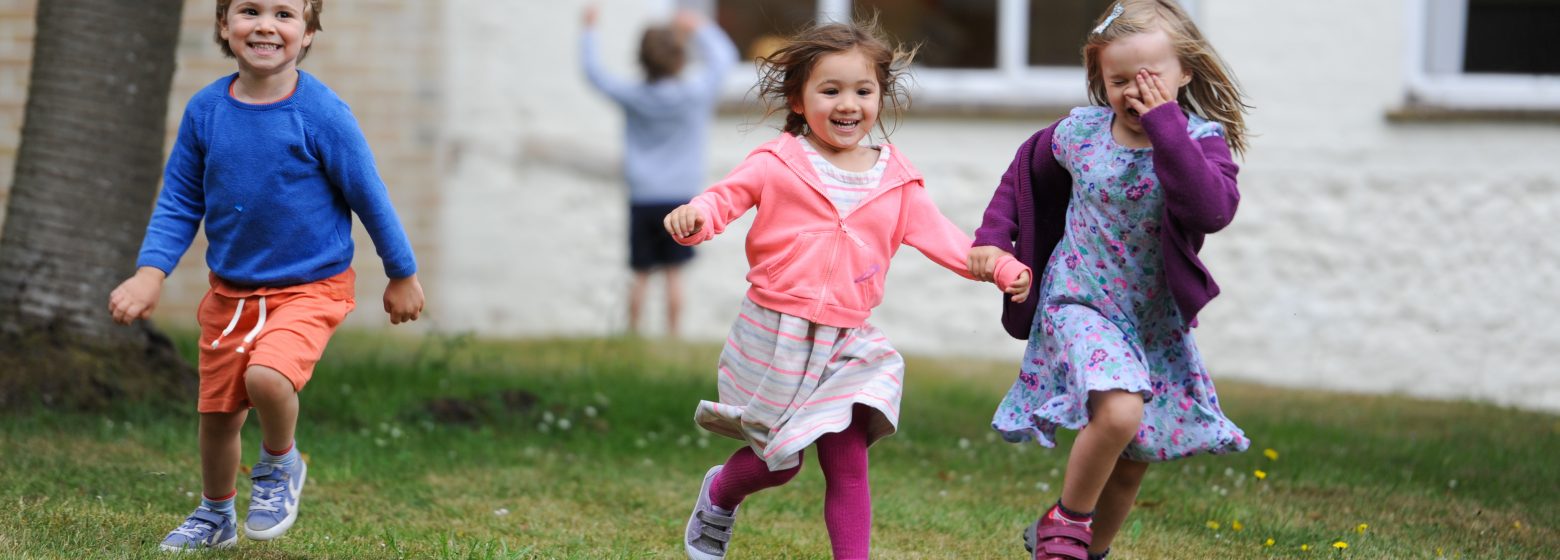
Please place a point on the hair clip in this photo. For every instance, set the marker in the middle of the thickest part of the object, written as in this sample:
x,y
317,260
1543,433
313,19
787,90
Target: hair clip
x,y
1115,13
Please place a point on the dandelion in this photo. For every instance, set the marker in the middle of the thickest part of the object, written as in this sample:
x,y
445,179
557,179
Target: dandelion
x,y
1340,545
1212,525
1361,528
1260,474
1269,542
1516,525
1271,454
1305,548
1237,526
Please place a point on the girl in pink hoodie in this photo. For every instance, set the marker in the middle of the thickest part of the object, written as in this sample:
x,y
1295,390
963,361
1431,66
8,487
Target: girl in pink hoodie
x,y
801,364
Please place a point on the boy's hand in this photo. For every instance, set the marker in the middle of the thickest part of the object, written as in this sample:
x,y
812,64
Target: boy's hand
x,y
137,296
684,221
403,299
983,262
686,22
1019,288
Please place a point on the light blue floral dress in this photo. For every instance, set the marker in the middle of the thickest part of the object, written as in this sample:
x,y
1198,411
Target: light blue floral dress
x,y
1107,320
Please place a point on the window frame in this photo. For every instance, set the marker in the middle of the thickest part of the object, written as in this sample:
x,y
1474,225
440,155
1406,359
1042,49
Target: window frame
x,y
1434,68
1012,84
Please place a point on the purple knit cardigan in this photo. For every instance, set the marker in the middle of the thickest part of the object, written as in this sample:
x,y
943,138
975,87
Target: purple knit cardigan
x,y
1030,208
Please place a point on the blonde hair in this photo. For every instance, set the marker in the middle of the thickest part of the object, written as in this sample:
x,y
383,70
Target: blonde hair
x,y
784,73
311,19
1213,93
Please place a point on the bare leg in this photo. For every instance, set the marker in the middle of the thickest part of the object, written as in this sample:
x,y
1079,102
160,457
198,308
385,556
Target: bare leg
x,y
1114,417
636,299
220,451
1116,501
276,400
673,299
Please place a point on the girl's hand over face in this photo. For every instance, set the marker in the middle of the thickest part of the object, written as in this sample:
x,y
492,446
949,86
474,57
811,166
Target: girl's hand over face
x,y
1152,92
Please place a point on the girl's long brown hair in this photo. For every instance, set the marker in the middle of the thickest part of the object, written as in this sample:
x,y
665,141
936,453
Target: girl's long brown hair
x,y
784,73
1213,93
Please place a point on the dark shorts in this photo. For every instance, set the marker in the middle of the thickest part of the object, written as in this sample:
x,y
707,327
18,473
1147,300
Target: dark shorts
x,y
649,246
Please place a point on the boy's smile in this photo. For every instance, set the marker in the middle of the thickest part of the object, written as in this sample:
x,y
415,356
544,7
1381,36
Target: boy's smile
x,y
266,36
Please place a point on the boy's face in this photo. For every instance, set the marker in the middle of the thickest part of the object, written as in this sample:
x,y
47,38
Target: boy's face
x,y
266,36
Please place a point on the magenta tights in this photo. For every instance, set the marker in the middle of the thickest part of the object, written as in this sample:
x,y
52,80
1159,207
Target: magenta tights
x,y
847,501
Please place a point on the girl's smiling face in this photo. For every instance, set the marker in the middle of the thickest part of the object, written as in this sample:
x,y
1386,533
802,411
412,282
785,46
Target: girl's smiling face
x,y
266,36
1122,59
840,100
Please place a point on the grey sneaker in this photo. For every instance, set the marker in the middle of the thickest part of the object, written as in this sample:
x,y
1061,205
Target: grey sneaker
x,y
204,529
708,530
273,499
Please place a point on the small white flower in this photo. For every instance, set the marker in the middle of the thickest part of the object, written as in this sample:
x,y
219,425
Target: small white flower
x,y
1228,471
501,512
641,443
684,440
381,442
1043,486
563,424
395,432
964,443
703,443
543,428
648,462
602,399
943,493
590,411
1452,483
1055,473
189,494
547,417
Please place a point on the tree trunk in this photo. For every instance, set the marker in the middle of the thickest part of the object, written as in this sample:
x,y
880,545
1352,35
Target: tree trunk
x,y
87,172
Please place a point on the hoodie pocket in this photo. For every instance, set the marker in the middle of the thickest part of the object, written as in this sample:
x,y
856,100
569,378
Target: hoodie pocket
x,y
798,272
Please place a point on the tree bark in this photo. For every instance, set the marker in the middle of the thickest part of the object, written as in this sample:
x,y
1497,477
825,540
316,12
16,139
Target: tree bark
x,y
87,172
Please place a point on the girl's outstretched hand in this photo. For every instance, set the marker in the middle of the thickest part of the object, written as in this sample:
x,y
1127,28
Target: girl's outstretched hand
x,y
684,221
983,262
1152,92
1019,289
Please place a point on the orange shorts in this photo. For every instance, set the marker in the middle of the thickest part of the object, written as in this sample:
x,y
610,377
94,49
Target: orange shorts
x,y
284,329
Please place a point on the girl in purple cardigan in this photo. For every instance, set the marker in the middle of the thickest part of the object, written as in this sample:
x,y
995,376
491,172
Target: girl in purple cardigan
x,y
1114,201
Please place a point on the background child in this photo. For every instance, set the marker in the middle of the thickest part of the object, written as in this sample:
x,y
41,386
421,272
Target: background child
x,y
667,120
801,364
273,162
1122,195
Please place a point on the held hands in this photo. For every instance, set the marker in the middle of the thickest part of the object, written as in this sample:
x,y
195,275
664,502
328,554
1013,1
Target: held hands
x,y
983,262
137,296
684,222
404,299
1152,92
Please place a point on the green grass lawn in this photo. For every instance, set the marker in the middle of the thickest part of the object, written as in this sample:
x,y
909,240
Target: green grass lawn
x,y
455,448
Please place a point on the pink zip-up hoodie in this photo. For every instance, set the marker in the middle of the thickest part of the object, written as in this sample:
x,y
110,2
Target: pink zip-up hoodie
x,y
811,262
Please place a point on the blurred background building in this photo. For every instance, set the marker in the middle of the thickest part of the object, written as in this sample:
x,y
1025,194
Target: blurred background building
x,y
1396,233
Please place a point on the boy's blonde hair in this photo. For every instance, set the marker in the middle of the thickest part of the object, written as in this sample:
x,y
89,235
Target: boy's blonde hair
x,y
784,72
1213,92
311,19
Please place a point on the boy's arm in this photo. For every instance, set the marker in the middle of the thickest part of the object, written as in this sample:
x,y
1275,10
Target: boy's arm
x,y
590,60
931,233
180,206
1198,175
728,199
717,54
349,164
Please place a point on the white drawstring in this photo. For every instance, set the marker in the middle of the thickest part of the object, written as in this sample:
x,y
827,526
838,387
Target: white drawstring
x,y
238,311
234,323
255,331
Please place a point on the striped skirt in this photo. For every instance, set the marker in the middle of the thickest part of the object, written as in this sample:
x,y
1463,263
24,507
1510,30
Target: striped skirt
x,y
786,381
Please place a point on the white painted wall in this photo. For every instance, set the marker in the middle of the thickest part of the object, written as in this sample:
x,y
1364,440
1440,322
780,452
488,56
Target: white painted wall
x,y
1367,256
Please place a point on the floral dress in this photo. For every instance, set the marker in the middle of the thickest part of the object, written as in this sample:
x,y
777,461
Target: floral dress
x,y
1107,320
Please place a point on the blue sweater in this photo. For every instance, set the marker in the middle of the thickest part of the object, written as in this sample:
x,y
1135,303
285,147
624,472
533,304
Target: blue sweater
x,y
276,185
667,120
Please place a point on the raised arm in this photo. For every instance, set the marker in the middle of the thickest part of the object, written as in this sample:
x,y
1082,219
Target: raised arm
x,y
590,60
1198,175
716,52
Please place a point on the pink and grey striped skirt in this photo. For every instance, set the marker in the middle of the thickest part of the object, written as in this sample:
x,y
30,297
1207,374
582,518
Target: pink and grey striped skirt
x,y
786,381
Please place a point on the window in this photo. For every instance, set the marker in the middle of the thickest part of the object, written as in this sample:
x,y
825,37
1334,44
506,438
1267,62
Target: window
x,y
1485,54
974,53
